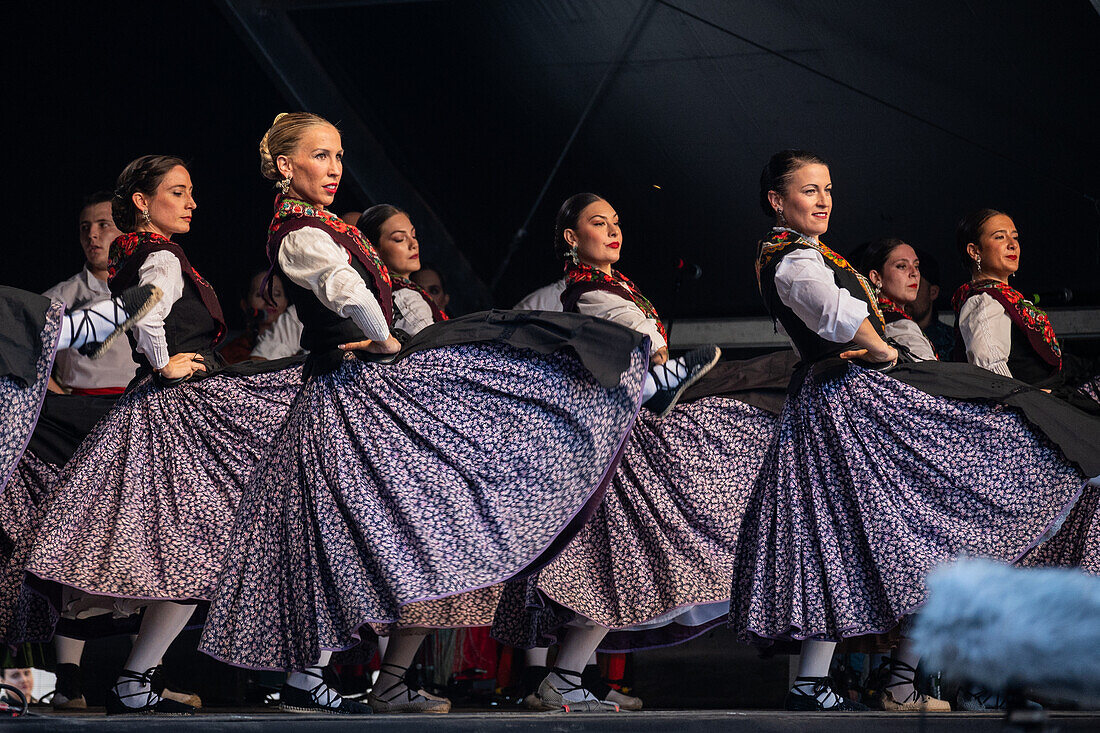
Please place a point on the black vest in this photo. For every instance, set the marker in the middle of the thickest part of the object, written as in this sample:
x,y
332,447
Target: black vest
x,y
323,329
1026,364
189,327
811,347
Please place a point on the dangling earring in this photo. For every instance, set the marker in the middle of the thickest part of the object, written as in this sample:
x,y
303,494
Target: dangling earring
x,y
284,185
978,260
782,219
145,215
877,290
573,255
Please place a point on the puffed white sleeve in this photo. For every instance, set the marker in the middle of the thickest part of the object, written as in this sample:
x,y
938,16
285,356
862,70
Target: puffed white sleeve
x,y
806,285
315,261
416,315
611,307
163,270
987,332
283,339
908,334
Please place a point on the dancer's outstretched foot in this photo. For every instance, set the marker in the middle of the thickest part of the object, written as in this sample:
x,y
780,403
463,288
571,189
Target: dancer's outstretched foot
x,y
399,698
816,693
94,329
133,694
674,377
301,695
563,690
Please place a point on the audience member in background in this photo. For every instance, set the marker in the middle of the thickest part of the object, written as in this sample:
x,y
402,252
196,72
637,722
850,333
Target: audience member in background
x,y
546,298
72,370
924,310
22,679
432,281
260,315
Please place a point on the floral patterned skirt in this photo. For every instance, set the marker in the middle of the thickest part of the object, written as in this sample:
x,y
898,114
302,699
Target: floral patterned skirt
x,y
451,471
870,484
1077,542
20,403
664,538
144,508
25,615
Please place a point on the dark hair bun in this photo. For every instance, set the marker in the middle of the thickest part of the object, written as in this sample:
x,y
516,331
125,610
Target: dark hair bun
x,y
142,175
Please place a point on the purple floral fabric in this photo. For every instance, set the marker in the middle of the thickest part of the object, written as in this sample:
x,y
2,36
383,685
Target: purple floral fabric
x,y
449,471
144,508
25,616
869,485
664,537
1077,542
20,405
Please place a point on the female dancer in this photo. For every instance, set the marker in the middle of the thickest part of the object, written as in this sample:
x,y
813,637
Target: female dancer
x,y
860,494
392,232
141,512
653,564
893,269
463,463
413,309
999,328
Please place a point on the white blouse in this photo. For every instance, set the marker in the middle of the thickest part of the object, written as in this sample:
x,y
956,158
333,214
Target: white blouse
x,y
611,307
411,313
908,334
283,339
313,260
807,286
163,270
987,333
546,298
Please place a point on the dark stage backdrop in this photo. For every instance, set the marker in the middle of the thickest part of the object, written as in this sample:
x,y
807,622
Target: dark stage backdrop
x,y
90,86
474,101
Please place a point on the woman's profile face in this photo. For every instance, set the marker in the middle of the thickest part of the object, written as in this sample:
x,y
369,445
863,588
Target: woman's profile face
x,y
597,236
900,275
170,206
999,247
316,167
807,201
398,246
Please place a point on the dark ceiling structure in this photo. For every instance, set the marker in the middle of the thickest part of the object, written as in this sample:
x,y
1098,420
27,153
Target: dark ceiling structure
x,y
497,111
480,117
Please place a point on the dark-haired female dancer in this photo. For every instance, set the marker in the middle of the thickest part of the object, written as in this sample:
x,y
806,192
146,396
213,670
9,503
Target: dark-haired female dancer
x,y
998,328
652,566
468,460
871,481
893,269
393,234
141,512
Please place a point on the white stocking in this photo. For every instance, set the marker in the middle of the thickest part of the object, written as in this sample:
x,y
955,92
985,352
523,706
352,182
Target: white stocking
x,y
579,646
163,622
91,324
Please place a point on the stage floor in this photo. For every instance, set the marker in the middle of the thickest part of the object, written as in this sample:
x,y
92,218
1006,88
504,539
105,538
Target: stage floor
x,y
678,721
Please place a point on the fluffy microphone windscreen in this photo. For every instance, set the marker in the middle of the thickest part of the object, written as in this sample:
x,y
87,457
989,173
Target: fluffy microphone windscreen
x,y
999,625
